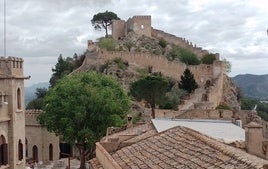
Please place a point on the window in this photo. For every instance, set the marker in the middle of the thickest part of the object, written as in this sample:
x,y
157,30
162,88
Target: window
x,y
3,151
26,147
35,153
20,150
50,152
19,98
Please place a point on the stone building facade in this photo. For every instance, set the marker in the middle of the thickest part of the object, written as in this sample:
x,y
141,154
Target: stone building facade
x,y
12,115
40,145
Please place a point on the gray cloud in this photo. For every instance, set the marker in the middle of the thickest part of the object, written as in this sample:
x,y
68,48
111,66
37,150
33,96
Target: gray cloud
x,y
39,31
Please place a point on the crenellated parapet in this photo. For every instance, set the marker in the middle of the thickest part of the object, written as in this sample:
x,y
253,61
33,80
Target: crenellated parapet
x,y
181,42
31,116
11,67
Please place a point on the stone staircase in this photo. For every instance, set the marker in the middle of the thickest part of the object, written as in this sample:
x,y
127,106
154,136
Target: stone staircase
x,y
196,96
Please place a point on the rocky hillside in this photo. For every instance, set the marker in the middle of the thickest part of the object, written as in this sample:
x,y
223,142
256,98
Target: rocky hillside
x,y
253,86
129,71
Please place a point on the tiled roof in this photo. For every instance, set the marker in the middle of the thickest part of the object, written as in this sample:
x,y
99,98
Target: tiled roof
x,y
95,164
180,147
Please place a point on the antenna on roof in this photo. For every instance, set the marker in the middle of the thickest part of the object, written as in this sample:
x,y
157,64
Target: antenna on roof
x,y
4,28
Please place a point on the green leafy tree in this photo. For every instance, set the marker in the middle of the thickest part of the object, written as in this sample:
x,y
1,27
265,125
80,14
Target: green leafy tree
x,y
208,58
38,102
62,68
188,82
173,98
103,20
151,88
81,107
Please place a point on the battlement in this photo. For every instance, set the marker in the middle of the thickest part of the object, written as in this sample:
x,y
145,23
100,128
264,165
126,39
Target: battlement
x,y
30,117
182,42
141,17
11,67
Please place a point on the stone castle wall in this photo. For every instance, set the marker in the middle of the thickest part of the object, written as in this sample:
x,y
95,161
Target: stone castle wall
x,y
181,42
206,114
118,29
38,136
174,69
141,25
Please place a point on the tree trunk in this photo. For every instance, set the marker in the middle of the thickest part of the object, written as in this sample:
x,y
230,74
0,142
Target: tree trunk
x,y
106,31
153,112
82,158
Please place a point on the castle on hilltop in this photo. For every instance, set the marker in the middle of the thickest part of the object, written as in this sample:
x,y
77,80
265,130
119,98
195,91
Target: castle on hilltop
x,y
141,25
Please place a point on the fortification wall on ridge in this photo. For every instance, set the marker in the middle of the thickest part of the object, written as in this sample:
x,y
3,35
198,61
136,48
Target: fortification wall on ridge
x,y
182,42
159,63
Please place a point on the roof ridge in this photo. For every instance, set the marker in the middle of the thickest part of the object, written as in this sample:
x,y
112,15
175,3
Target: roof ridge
x,y
219,146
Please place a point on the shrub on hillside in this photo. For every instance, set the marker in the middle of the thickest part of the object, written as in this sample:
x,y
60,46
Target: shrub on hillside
x,y
184,55
188,57
223,106
107,43
208,58
162,43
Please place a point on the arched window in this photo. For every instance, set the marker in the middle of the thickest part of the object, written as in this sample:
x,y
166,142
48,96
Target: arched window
x,y
20,150
19,98
35,153
3,151
50,152
26,147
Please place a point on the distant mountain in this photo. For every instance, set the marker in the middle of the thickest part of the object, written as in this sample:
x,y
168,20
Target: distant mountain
x,y
254,86
29,92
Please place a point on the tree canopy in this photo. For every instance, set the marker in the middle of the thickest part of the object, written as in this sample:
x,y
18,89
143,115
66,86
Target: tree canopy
x,y
81,107
103,20
150,88
64,66
38,102
188,82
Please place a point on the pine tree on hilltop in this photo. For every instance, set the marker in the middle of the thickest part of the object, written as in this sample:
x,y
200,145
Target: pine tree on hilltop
x,y
188,82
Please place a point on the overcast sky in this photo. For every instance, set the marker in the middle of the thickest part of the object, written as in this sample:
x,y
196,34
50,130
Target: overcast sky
x,y
39,30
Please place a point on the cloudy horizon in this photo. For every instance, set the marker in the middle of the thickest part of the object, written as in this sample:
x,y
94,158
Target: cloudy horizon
x,y
39,31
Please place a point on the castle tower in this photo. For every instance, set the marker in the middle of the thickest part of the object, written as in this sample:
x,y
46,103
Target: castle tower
x,y
12,116
141,25
118,29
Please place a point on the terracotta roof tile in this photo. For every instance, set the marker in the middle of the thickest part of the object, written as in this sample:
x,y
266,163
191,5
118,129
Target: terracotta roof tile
x,y
95,164
178,147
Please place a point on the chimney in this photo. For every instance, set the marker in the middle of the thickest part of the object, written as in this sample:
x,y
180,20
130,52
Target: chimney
x,y
254,139
129,121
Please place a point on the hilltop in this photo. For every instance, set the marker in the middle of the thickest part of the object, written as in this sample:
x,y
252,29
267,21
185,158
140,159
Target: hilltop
x,y
139,51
